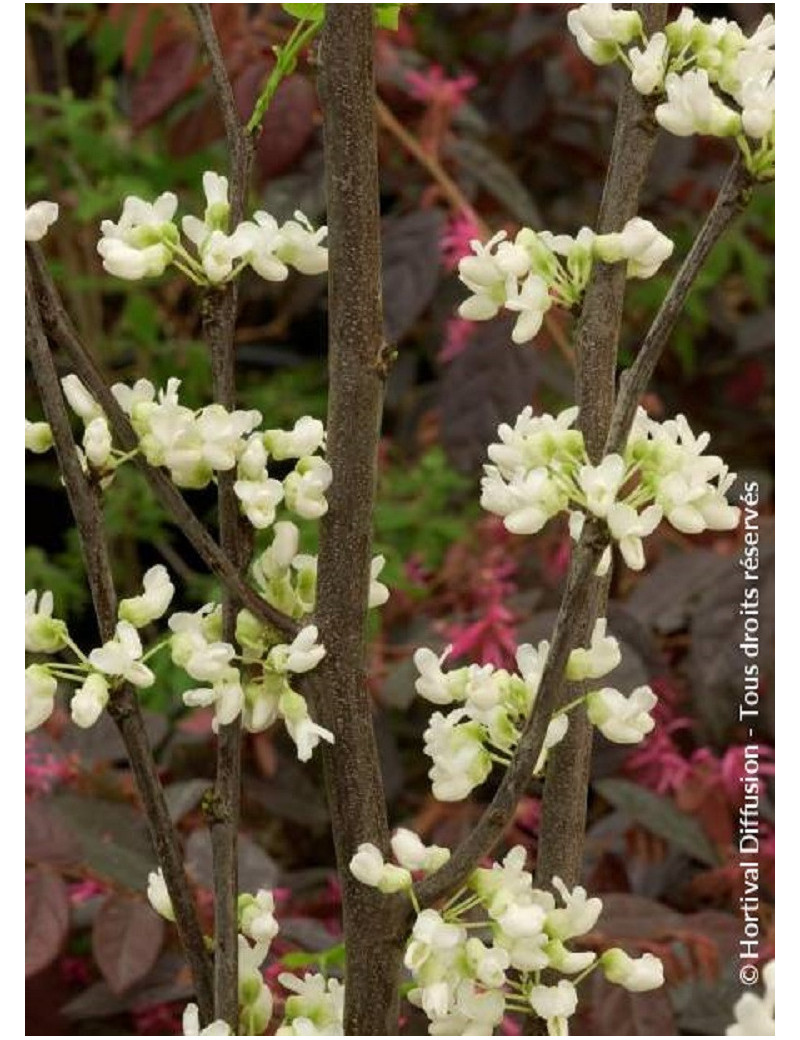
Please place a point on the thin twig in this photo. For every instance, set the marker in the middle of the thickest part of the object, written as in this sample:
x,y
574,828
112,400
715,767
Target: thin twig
x,y
84,500
357,364
61,331
499,814
732,199
219,325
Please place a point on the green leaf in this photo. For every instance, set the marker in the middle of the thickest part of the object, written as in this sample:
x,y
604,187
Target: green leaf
x,y
306,12
387,16
659,816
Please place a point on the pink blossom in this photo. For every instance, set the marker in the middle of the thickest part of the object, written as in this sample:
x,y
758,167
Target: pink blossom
x,y
434,87
45,770
83,891
454,244
457,334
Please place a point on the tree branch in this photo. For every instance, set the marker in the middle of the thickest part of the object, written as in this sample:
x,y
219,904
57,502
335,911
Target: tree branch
x,y
219,323
563,824
357,365
733,196
123,705
499,814
59,328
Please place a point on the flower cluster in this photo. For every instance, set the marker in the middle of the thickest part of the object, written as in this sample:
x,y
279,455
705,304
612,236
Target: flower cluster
x,y
38,219
539,270
483,954
195,445
540,468
493,706
316,1007
146,240
716,80
412,855
119,659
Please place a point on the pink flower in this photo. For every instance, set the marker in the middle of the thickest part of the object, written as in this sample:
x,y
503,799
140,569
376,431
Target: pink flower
x,y
454,244
457,334
433,87
83,891
45,770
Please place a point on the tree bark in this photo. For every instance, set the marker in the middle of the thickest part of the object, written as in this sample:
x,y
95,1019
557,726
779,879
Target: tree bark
x,y
374,925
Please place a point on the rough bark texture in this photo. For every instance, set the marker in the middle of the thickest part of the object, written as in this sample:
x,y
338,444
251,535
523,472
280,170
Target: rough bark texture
x,y
563,826
340,698
85,502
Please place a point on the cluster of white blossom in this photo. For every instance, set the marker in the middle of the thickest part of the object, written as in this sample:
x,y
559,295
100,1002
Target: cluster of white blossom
x,y
540,468
146,240
254,683
195,445
716,79
754,1014
483,954
315,1009
539,270
38,219
412,855
493,706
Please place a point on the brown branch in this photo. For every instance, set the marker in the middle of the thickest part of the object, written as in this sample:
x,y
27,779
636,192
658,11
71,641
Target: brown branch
x,y
357,366
499,814
219,325
732,198
60,329
85,502
563,825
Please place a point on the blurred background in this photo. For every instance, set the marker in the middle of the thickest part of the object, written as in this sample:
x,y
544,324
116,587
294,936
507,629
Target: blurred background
x,y
489,119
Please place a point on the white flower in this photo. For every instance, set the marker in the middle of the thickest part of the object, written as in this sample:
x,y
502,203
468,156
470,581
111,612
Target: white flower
x,y
555,1004
526,502
44,634
488,275
411,852
257,916
97,442
153,603
88,703
535,441
137,246
433,684
430,936
316,1009
640,243
628,527
754,1014
368,867
261,238
305,733
532,300
306,485
226,696
38,437
301,655
119,657
306,437
600,484
460,761
602,657
692,107
578,915
530,662
555,733
38,219
259,499
159,898
40,691
191,1024
522,921
378,592
79,399
300,246
758,106
623,720
605,23
218,253
637,975
578,252
649,65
